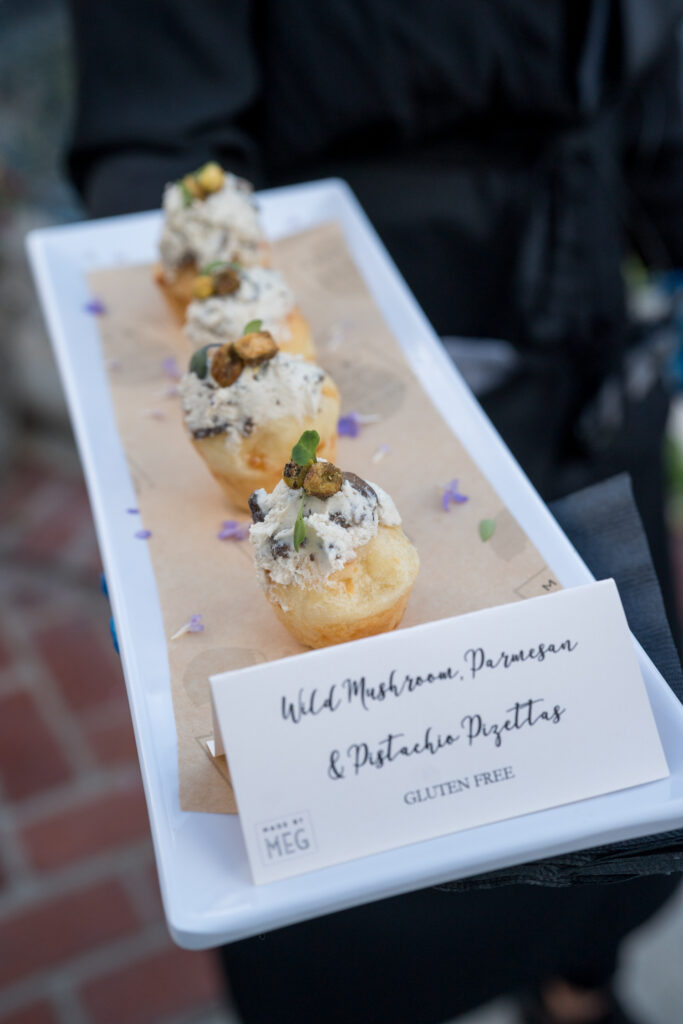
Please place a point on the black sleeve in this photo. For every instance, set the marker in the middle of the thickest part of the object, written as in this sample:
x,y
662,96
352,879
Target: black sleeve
x,y
161,88
654,162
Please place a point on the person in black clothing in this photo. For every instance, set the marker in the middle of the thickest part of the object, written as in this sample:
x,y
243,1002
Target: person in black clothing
x,y
508,153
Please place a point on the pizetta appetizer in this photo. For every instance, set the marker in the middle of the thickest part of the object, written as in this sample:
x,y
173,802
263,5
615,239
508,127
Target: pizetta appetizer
x,y
245,403
209,215
227,295
329,551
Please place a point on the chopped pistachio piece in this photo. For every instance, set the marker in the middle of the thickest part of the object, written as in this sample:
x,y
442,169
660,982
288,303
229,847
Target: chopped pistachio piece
x,y
226,281
256,347
191,185
323,479
226,366
202,286
211,176
293,474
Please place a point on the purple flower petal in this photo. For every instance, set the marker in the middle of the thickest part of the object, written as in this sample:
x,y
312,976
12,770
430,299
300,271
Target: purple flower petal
x,y
143,534
233,530
171,368
349,425
193,625
452,494
95,307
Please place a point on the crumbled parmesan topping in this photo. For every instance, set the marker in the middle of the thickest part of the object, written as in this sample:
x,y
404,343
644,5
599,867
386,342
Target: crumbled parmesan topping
x,y
262,295
223,226
285,385
336,527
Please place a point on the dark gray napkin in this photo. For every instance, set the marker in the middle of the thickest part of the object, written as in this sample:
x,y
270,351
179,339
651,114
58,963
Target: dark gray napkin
x,y
602,523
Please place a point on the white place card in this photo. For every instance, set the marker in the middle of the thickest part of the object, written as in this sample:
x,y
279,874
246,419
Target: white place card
x,y
343,752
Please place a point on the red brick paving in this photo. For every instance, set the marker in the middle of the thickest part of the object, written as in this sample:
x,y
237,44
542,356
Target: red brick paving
x,y
36,1013
19,486
112,740
5,657
105,821
80,656
56,529
31,759
27,595
57,930
169,982
153,888
74,818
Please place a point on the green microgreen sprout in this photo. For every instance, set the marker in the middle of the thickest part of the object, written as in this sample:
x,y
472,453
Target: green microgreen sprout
x,y
188,198
303,453
487,528
299,526
199,363
305,448
218,265
252,326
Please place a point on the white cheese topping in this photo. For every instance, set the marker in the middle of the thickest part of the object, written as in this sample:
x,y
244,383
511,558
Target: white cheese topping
x,y
224,226
285,385
263,295
336,527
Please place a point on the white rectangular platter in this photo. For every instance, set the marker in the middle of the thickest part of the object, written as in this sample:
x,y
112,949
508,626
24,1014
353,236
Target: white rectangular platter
x,y
205,881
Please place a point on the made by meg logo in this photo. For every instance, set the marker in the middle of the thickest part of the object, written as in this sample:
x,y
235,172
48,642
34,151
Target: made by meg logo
x,y
285,837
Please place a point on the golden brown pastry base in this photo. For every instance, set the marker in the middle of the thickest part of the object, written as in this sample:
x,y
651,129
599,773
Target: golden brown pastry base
x,y
368,596
300,341
257,461
178,293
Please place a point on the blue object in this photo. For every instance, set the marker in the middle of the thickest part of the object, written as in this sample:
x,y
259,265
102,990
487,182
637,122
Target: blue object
x,y
112,625
114,638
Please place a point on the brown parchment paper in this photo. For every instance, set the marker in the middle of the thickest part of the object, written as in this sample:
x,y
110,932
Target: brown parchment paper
x,y
183,507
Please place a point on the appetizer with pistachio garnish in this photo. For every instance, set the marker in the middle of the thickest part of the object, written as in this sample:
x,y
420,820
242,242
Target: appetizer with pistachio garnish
x,y
245,402
330,552
227,295
209,216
